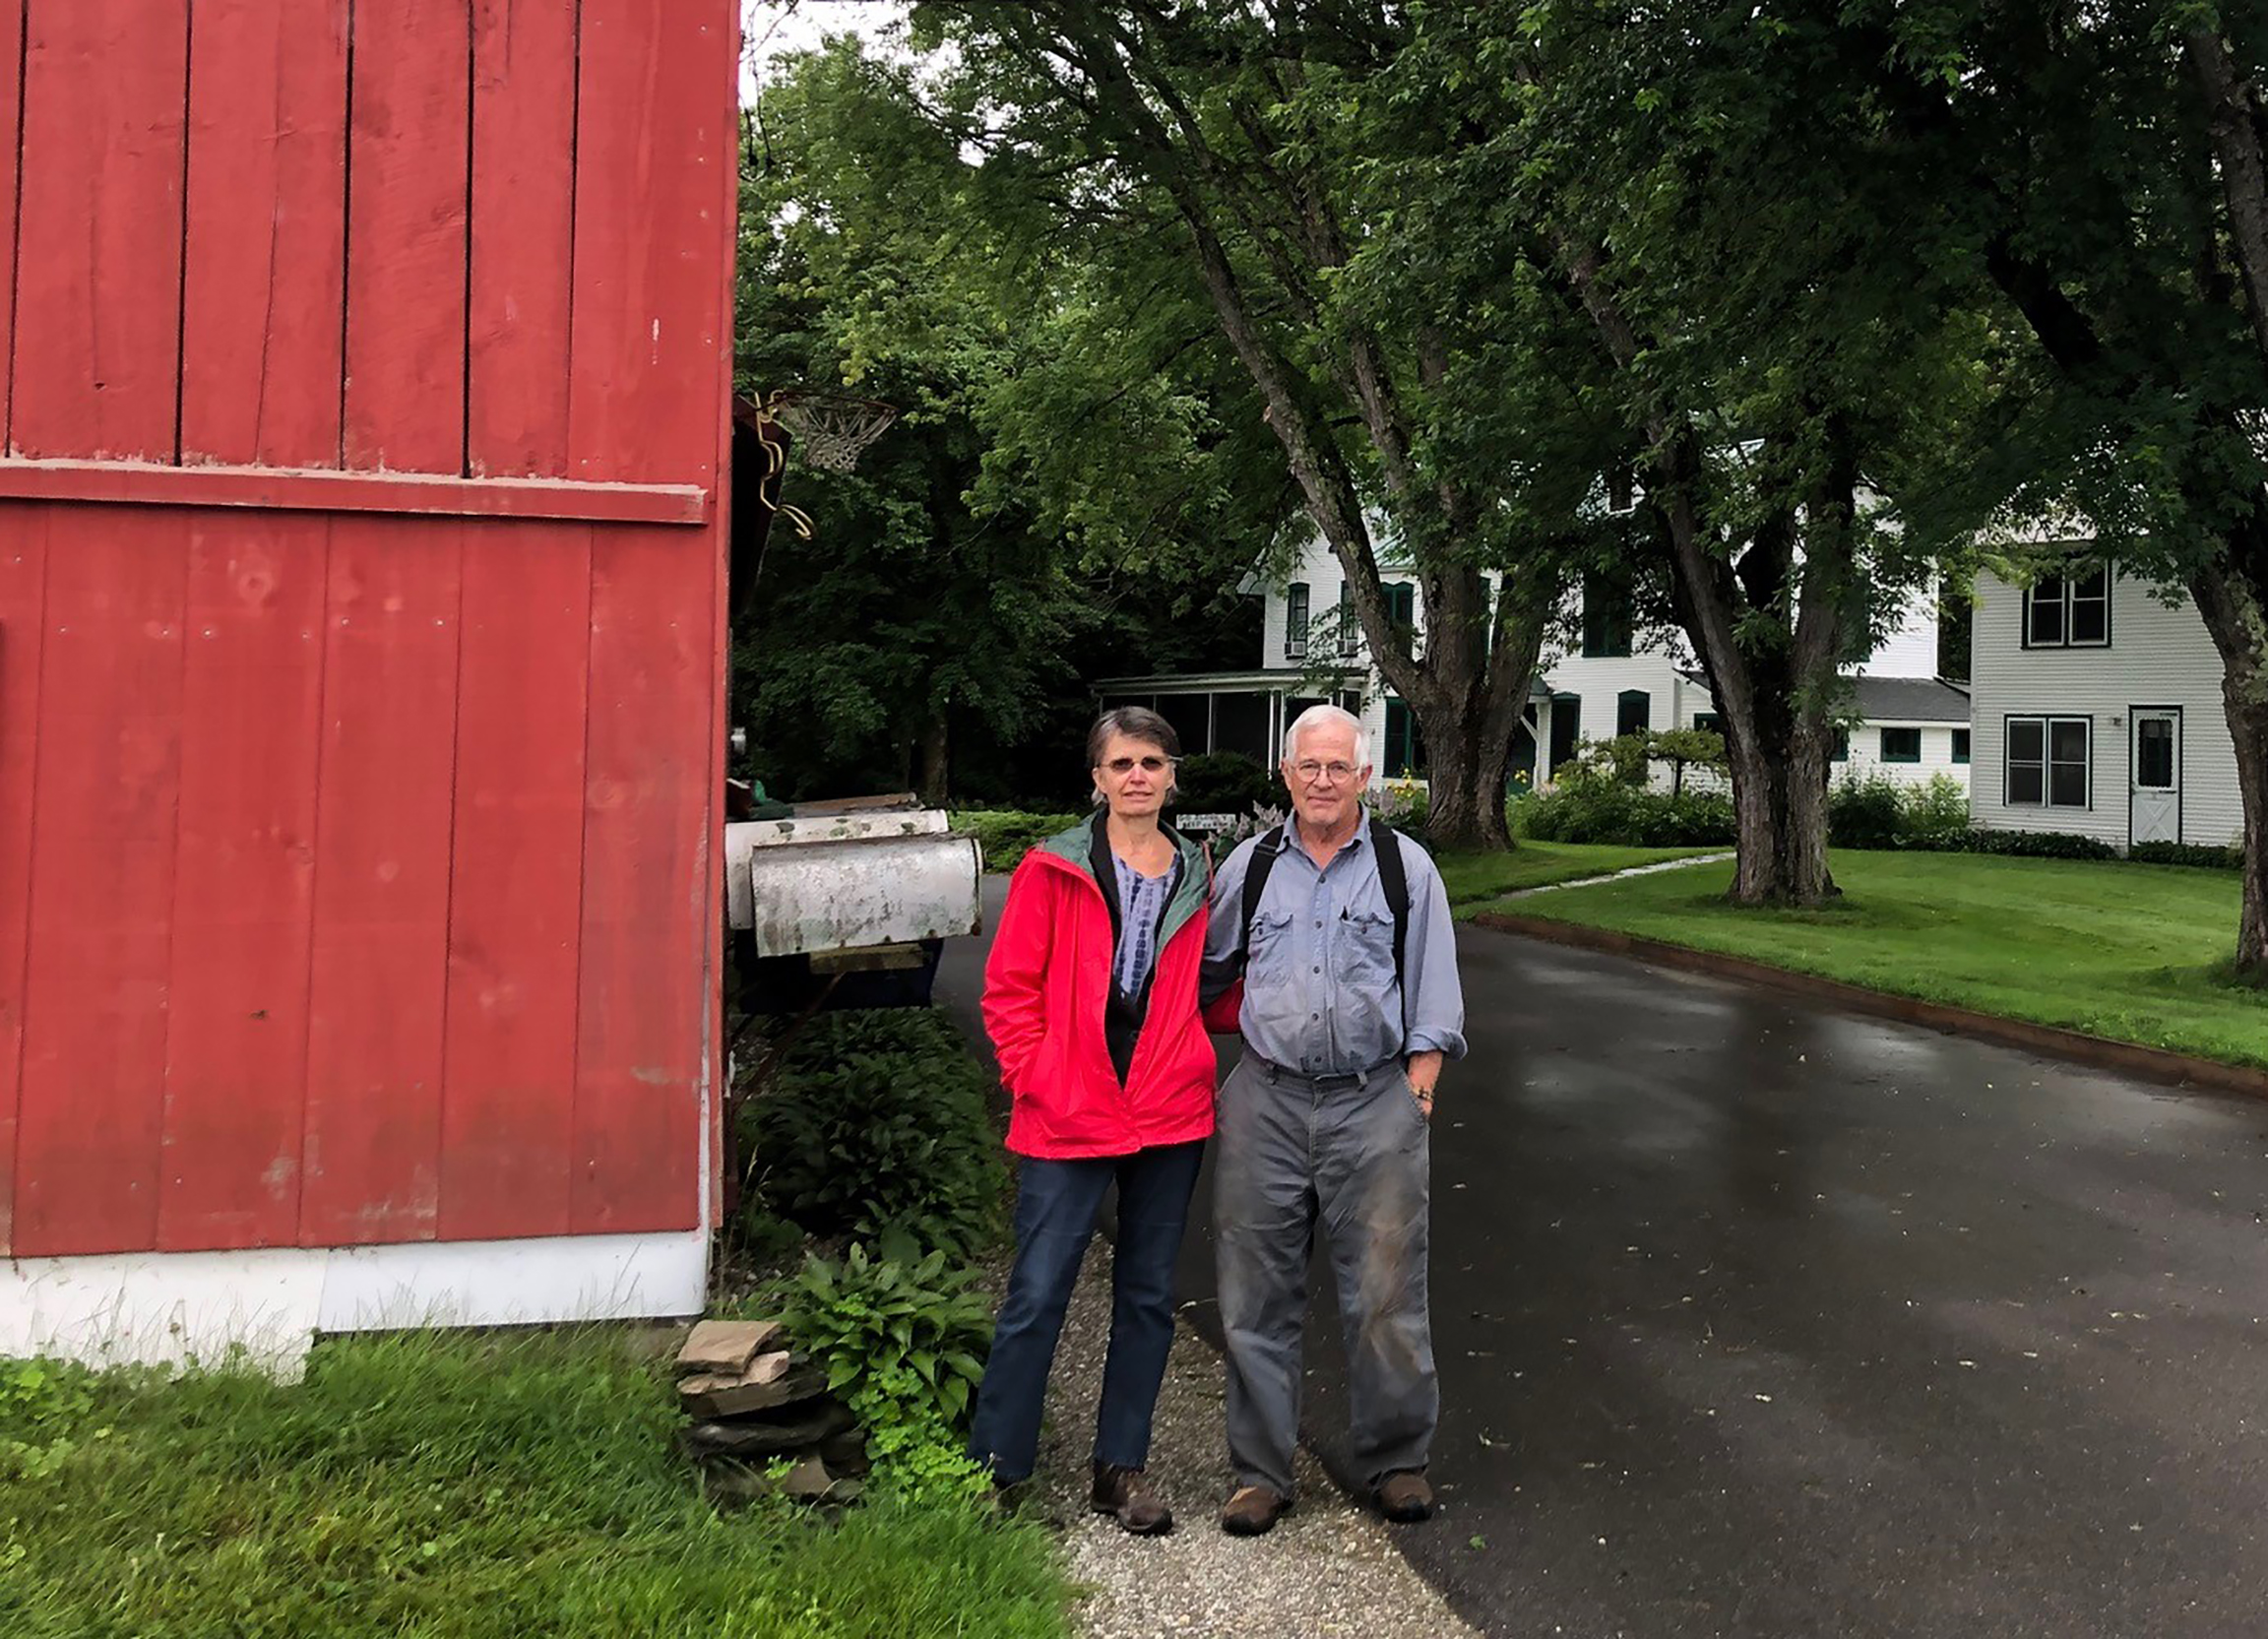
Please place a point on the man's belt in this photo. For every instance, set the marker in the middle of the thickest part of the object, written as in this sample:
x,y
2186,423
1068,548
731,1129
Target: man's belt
x,y
1343,1082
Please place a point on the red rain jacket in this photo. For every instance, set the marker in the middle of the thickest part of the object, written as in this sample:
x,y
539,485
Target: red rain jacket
x,y
1046,986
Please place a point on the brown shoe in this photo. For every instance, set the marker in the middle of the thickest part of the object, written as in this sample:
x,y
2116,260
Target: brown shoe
x,y
1126,1494
1405,1497
1253,1510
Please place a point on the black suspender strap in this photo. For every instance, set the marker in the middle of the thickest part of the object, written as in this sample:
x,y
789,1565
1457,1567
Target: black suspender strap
x,y
1263,860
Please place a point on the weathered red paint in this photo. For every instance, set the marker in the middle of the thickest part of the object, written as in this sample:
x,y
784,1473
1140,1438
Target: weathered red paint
x,y
244,878
516,912
382,840
359,744
23,596
264,269
523,285
300,489
11,123
96,370
105,802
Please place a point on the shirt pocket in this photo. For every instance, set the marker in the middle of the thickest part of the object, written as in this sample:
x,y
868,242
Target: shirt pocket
x,y
1269,957
1369,950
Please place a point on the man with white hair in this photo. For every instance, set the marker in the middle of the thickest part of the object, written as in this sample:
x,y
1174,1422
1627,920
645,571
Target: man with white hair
x,y
1330,950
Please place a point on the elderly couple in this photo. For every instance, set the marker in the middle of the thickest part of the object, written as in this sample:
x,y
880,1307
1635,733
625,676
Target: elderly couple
x,y
1326,943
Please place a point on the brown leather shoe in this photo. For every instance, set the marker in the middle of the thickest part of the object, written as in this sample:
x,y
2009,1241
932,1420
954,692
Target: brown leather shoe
x,y
1405,1497
1126,1494
1254,1510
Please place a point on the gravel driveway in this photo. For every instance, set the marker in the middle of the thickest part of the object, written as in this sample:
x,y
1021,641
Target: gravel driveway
x,y
1328,1569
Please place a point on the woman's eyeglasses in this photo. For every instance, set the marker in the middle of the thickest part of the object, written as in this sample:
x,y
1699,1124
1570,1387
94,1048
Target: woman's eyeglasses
x,y
1123,766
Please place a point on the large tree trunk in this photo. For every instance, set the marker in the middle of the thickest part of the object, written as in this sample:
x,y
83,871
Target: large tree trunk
x,y
1771,679
1779,812
2236,614
2233,593
1767,631
931,769
1470,696
1465,809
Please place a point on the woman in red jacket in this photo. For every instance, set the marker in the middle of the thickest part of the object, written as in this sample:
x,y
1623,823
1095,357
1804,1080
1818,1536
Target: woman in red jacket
x,y
1090,1001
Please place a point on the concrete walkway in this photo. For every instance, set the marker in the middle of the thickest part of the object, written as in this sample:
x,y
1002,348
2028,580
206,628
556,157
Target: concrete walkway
x,y
1758,1319
1616,876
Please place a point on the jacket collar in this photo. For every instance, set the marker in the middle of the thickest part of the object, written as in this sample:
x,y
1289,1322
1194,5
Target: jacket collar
x,y
1078,846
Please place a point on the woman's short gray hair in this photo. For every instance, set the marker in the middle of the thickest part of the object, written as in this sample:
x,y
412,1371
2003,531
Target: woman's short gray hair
x,y
1318,716
1136,722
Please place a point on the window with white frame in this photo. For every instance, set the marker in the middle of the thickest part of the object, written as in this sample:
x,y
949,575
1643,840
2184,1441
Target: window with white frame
x,y
2049,762
1296,620
2069,611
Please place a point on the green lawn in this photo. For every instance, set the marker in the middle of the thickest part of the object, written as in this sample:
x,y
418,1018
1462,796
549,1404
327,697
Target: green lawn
x,y
2138,953
1471,877
452,1487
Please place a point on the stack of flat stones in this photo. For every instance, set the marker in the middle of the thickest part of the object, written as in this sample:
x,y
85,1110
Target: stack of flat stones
x,y
756,1405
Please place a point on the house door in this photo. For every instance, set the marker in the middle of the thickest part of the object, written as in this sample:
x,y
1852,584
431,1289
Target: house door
x,y
2154,809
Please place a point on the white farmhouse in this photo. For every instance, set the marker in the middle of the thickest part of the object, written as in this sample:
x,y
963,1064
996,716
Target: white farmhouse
x,y
2098,711
1612,680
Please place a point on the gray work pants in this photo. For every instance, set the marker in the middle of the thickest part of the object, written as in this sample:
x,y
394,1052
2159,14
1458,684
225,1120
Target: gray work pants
x,y
1351,1153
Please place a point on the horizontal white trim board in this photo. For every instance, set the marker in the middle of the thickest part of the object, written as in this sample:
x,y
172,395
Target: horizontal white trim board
x,y
172,1308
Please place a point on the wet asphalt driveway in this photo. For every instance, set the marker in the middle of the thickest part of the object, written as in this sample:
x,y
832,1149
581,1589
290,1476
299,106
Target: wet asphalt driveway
x,y
1758,1319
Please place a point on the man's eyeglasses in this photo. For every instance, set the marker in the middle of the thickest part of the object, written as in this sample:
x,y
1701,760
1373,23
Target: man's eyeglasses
x,y
1312,772
1123,766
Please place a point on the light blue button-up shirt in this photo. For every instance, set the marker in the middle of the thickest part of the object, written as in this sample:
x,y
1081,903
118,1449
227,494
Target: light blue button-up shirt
x,y
1319,990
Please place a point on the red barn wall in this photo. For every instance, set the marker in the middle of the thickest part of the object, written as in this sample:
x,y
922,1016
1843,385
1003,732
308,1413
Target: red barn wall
x,y
367,365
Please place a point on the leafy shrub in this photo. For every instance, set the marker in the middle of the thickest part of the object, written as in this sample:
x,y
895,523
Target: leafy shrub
x,y
1591,802
876,1314
876,1122
1224,783
2187,853
903,1340
1626,757
1877,811
2036,844
1006,835
1866,813
1686,748
1935,815
1404,804
43,1407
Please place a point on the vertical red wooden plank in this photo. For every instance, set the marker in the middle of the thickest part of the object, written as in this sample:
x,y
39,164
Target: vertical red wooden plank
x,y
726,274
646,895
522,235
655,131
99,287
652,234
11,131
235,1070
105,802
264,269
515,900
405,235
23,576
378,974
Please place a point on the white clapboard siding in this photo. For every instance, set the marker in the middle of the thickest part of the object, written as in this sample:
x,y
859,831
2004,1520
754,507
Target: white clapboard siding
x,y
1865,759
1660,668
2158,655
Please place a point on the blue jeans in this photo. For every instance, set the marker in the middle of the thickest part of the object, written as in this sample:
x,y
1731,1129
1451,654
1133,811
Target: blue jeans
x,y
1056,1205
